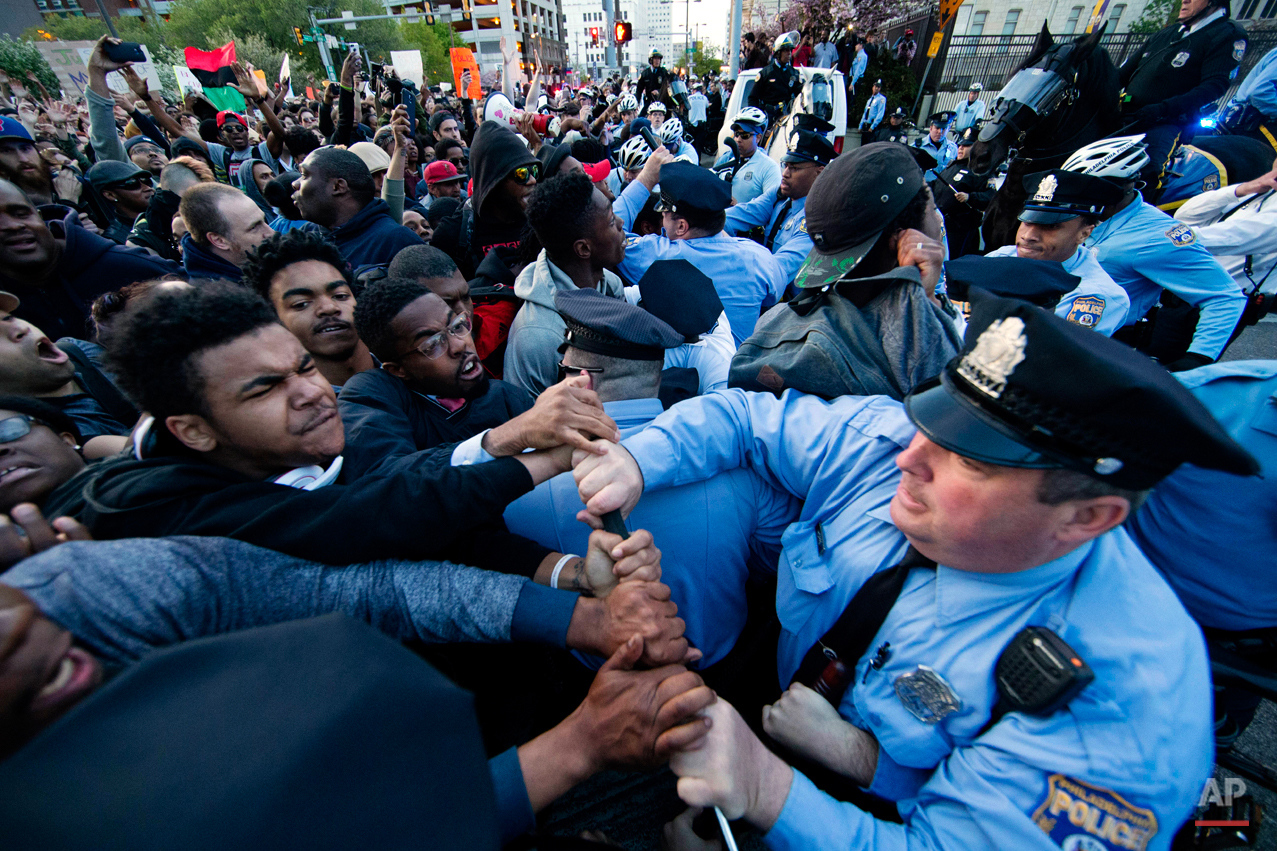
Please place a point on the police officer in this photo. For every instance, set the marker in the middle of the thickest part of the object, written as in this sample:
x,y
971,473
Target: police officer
x,y
780,212
894,130
1201,528
936,531
760,174
875,109
654,82
1253,109
1182,68
970,111
962,196
938,145
1145,251
1062,209
692,206
713,529
779,82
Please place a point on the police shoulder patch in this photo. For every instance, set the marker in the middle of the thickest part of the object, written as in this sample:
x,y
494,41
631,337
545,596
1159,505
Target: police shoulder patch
x,y
631,241
1210,182
1086,310
802,225
1239,49
1081,817
1181,235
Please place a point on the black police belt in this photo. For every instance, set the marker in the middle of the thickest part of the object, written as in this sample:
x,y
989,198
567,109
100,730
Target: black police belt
x,y
1037,673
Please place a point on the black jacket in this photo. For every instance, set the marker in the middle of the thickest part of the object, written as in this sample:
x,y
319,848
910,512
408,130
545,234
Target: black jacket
x,y
372,237
386,423
959,176
776,85
431,510
1181,74
887,133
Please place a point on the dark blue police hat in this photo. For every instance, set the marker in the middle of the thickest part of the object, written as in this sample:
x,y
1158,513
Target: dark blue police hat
x,y
682,296
1056,196
1032,390
685,186
970,135
807,121
807,146
612,326
1040,282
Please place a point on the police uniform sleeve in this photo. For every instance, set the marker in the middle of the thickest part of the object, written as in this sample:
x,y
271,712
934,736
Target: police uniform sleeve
x,y
752,214
1192,274
791,442
1103,314
630,203
640,252
791,255
1263,94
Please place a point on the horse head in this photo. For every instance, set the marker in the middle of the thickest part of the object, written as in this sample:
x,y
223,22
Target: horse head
x,y
1044,83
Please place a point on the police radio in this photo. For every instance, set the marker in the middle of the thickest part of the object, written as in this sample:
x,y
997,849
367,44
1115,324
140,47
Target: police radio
x,y
1037,673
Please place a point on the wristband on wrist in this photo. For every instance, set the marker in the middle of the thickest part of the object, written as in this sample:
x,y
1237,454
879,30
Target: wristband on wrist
x,y
558,568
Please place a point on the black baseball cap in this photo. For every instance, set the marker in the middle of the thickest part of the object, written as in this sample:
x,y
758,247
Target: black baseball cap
x,y
853,200
1030,389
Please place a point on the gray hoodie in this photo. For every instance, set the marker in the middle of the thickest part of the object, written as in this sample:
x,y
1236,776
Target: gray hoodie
x,y
532,348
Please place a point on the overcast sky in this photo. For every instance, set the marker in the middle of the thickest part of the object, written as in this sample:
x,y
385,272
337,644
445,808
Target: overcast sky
x,y
714,17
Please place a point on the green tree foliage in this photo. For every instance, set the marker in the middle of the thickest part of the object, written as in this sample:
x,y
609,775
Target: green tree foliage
x,y
1157,14
433,41
705,58
898,84
18,58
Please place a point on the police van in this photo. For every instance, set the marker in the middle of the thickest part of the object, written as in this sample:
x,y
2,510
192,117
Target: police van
x,y
824,95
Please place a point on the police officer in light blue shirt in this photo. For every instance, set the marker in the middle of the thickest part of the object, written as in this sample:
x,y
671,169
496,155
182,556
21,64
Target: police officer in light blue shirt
x,y
875,109
970,111
692,205
1259,89
977,523
1145,251
938,145
714,533
1062,209
780,212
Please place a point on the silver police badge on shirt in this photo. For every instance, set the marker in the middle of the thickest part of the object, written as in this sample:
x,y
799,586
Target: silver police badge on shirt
x,y
1180,59
927,695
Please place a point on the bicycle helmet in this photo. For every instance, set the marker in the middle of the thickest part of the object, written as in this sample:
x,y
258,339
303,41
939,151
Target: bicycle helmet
x,y
629,103
672,132
785,41
656,106
1120,158
634,153
752,119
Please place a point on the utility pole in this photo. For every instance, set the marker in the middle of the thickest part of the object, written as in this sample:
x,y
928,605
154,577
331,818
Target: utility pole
x,y
733,47
321,42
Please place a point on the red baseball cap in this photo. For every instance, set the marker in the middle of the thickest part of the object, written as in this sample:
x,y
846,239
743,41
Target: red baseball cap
x,y
442,171
599,171
227,113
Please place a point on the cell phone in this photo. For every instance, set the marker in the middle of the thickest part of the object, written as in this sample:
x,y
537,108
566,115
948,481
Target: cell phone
x,y
408,95
125,51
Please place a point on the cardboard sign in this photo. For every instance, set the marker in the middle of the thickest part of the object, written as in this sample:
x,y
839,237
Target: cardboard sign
x,y
463,58
186,80
70,62
407,64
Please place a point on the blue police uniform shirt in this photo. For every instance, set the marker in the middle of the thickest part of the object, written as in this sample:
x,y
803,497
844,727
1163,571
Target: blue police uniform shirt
x,y
791,244
745,275
1259,89
1145,251
858,66
1097,303
759,175
712,534
1123,765
967,114
875,109
1211,533
945,152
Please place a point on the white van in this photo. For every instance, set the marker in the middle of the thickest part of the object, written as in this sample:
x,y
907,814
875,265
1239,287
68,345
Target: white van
x,y
824,94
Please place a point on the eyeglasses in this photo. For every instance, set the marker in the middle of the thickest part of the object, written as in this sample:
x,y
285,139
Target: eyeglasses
x,y
16,428
741,134
434,346
132,184
525,174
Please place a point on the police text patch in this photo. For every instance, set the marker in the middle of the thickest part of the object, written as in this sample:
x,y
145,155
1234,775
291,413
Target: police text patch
x,y
1081,817
1181,235
1086,310
1239,49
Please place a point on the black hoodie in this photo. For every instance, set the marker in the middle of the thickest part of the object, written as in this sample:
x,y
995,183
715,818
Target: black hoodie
x,y
497,151
426,510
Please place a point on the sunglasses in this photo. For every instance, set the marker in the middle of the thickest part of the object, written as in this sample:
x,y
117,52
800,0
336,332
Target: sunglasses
x,y
566,369
525,174
434,346
741,134
18,427
133,183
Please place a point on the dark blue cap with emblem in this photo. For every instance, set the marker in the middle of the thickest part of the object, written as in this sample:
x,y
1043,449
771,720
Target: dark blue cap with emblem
x,y
685,186
1056,196
1032,390
612,326
1040,282
806,146
679,294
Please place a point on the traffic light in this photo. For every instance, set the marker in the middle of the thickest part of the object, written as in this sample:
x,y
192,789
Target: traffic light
x,y
594,36
430,14
465,10
297,32
624,32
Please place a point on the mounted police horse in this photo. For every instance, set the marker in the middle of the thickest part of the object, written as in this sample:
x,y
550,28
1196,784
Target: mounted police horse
x,y
1065,96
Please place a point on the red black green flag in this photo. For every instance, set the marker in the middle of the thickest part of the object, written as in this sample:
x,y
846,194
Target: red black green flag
x,y
213,69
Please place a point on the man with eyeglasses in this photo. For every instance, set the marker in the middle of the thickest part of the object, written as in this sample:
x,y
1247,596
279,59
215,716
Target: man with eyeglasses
x,y
126,189
781,212
146,154
760,174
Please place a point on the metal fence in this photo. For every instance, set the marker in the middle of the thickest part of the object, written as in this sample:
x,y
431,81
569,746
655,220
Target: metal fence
x,y
993,60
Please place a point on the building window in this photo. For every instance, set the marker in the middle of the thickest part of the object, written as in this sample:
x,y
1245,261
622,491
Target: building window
x,y
1115,16
977,23
1013,18
1070,26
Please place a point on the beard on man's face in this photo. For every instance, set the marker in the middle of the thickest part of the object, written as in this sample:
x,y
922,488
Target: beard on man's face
x,y
39,181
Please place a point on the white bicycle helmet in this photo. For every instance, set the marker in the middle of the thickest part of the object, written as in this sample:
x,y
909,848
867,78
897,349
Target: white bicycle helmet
x,y
752,119
634,153
1120,158
785,40
657,106
672,131
629,103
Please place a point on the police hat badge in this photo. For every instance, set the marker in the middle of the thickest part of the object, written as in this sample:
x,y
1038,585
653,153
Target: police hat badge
x,y
1046,189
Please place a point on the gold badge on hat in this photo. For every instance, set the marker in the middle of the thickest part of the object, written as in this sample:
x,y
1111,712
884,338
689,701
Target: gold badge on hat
x,y
1046,189
997,352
